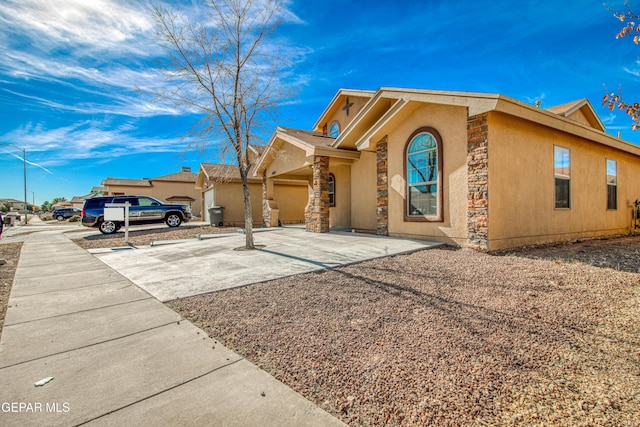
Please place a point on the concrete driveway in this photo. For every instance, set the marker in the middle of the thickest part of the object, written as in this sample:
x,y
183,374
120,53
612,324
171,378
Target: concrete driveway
x,y
202,266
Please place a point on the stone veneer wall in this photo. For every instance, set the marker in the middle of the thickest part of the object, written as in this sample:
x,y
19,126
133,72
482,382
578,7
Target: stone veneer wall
x,y
382,203
478,182
316,214
266,210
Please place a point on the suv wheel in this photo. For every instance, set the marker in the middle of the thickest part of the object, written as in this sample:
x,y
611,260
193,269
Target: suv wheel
x,y
60,218
108,227
173,220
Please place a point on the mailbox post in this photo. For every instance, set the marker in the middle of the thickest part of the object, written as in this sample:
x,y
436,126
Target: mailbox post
x,y
118,212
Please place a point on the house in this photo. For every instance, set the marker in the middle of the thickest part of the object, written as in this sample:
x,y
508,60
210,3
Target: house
x,y
221,186
13,204
78,201
174,188
470,169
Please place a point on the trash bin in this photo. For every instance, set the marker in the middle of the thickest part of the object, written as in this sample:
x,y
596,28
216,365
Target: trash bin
x,y
9,220
215,215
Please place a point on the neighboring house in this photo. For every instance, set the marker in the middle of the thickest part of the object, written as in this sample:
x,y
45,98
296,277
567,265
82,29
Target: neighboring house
x,y
78,201
221,186
471,169
174,188
16,205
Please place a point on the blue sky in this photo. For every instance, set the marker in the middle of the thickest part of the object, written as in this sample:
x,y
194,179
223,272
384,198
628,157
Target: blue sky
x,y
69,70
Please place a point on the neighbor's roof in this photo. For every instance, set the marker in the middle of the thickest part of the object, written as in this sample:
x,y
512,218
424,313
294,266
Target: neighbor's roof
x,y
182,176
220,173
213,171
127,182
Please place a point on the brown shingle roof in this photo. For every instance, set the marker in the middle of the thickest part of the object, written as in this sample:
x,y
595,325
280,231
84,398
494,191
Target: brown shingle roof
x,y
314,139
178,177
221,173
127,182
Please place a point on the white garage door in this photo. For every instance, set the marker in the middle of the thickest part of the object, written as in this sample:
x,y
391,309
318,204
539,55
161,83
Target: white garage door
x,y
208,202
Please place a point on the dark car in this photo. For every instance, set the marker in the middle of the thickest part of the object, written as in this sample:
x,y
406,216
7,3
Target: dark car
x,y
65,213
143,209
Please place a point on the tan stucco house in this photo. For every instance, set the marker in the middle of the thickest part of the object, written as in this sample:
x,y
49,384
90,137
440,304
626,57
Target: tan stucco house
x,y
221,186
470,169
173,188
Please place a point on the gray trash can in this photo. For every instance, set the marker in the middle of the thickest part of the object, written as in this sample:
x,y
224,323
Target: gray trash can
x,y
215,215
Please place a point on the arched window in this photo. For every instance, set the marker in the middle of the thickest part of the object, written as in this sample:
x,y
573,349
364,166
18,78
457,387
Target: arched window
x,y
334,130
332,190
423,171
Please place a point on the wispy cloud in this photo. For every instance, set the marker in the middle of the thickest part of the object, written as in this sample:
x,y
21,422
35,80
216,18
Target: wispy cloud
x,y
89,139
95,26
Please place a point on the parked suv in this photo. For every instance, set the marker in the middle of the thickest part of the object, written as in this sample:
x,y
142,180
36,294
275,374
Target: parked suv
x,y
65,213
142,209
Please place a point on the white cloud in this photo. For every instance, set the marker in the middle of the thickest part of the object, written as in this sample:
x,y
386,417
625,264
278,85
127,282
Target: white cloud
x,y
95,25
90,61
89,139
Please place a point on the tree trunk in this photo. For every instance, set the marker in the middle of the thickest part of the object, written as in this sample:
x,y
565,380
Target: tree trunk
x,y
248,218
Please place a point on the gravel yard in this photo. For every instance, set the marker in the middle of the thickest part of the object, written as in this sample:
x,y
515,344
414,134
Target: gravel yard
x,y
449,337
535,336
9,253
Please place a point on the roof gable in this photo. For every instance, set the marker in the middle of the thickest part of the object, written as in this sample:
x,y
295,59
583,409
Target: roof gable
x,y
341,101
579,111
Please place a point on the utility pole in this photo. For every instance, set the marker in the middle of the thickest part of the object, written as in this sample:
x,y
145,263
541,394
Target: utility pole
x,y
24,164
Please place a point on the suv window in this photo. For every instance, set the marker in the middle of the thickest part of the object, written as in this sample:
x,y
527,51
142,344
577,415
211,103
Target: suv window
x,y
148,201
133,201
95,203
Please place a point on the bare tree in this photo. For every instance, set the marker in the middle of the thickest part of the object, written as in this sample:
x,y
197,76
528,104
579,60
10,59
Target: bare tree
x,y
224,70
631,27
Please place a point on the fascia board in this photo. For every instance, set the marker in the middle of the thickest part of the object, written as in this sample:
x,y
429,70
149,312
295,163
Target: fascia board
x,y
336,153
365,140
259,168
368,107
554,121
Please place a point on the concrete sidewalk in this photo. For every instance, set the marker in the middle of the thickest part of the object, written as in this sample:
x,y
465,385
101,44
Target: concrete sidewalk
x,y
119,357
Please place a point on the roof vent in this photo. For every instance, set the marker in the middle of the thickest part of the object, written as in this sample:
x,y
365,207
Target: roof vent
x,y
186,169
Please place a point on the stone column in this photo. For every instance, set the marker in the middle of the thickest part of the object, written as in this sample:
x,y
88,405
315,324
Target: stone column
x,y
317,212
382,203
478,182
266,212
